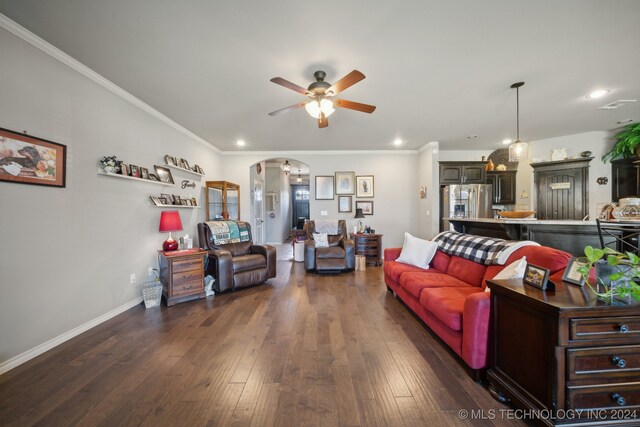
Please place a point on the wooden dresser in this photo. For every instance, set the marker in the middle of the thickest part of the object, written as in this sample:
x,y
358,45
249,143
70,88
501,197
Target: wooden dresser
x,y
369,245
565,352
182,275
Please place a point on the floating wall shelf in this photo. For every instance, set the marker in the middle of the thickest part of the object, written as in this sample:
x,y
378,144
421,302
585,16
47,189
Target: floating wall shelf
x,y
148,181
182,169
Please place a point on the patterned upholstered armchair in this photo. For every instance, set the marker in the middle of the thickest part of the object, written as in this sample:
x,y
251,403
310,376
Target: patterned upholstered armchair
x,y
234,261
340,254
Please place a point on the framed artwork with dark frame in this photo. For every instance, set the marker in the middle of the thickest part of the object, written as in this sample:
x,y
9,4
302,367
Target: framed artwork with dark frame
x,y
134,171
164,174
571,273
170,160
144,173
345,183
366,206
344,204
185,164
364,186
27,159
538,277
324,187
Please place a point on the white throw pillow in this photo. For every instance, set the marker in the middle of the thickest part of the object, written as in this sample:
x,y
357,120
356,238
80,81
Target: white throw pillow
x,y
321,239
417,252
515,270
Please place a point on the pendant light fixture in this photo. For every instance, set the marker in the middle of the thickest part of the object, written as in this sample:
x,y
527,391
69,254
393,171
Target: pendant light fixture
x,y
299,178
286,167
518,150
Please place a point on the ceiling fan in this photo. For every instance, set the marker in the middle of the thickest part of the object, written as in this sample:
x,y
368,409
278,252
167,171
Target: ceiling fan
x,y
322,103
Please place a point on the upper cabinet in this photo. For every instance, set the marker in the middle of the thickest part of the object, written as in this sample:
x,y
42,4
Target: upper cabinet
x,y
625,178
562,188
223,200
503,184
462,173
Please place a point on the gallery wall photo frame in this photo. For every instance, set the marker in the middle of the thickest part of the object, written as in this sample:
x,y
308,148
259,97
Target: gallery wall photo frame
x,y
26,159
364,186
366,206
324,187
345,183
164,174
344,204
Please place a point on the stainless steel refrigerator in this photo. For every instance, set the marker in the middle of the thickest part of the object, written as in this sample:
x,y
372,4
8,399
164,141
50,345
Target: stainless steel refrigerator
x,y
466,201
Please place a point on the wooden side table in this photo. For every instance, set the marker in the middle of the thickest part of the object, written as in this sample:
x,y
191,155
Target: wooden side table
x,y
182,275
369,245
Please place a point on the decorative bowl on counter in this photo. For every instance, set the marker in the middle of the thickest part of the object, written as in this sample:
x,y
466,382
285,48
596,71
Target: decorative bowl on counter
x,y
516,214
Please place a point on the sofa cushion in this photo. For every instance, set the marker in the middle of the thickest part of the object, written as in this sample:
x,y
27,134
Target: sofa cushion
x,y
394,269
330,252
447,304
248,262
441,261
465,270
417,252
415,282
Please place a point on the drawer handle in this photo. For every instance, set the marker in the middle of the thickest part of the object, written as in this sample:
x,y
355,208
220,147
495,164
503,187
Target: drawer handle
x,y
619,399
620,363
624,329
186,276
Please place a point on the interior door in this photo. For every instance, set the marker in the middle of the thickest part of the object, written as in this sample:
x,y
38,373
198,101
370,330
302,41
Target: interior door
x,y
300,205
258,212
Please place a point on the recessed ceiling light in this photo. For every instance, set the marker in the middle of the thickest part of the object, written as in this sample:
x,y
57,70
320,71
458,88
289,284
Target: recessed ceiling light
x,y
397,141
506,141
597,94
240,143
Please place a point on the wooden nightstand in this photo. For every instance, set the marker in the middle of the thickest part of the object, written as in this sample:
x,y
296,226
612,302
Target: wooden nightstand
x,y
182,275
369,245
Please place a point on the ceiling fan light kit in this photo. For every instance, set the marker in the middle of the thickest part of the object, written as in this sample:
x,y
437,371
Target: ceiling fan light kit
x,y
323,103
519,149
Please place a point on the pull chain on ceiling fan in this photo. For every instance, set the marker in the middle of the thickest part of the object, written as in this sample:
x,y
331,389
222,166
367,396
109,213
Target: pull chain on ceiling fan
x,y
323,103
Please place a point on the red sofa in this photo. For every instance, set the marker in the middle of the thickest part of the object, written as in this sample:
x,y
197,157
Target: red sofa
x,y
450,298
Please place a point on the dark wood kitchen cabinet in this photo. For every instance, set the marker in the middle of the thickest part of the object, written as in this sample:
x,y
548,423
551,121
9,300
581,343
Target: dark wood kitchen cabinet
x,y
462,173
562,188
625,178
503,184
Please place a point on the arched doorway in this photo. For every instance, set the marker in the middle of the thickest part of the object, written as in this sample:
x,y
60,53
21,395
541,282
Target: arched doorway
x,y
279,198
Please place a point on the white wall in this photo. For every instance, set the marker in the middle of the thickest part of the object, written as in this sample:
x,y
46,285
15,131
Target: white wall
x,y
463,155
597,142
68,252
395,186
428,176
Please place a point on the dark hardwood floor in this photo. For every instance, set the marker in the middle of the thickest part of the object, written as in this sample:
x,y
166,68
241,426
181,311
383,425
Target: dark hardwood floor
x,y
302,350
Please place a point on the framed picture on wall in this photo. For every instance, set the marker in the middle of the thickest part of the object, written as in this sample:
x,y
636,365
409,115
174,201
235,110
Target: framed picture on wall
x,y
170,160
164,174
324,187
345,183
366,206
27,159
344,203
364,186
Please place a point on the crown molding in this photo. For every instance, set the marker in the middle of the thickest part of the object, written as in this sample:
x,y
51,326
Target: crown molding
x,y
39,43
284,153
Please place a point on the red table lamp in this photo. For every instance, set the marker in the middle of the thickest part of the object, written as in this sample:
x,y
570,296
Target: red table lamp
x,y
170,221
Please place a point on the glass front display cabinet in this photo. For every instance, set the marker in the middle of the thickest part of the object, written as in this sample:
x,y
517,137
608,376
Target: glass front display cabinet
x,y
223,200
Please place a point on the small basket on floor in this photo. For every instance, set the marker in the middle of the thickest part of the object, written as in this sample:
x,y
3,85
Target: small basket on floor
x,y
152,294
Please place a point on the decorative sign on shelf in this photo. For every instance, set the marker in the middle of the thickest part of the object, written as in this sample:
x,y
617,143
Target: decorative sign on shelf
x,y
560,186
186,183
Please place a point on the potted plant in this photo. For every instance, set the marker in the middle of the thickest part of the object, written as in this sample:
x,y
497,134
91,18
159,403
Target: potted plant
x,y
627,143
110,164
617,276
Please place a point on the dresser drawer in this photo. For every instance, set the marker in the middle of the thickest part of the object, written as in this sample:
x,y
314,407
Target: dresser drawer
x,y
187,288
605,328
619,362
610,396
187,276
187,264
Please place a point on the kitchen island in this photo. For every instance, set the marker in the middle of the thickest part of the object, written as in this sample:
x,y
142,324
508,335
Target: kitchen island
x,y
564,234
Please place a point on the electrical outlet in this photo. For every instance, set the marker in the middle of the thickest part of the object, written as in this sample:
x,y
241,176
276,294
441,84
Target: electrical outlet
x,y
323,213
132,278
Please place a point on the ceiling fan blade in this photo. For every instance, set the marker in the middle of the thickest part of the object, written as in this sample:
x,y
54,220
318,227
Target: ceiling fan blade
x,y
365,108
346,82
286,109
286,83
322,121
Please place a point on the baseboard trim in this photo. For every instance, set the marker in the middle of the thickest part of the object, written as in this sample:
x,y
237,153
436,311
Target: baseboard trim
x,y
54,342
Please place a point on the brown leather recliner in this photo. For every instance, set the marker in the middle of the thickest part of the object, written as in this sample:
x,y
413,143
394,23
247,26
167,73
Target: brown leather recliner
x,y
237,265
339,256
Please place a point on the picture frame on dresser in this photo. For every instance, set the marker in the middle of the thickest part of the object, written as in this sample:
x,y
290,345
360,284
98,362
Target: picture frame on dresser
x,y
26,159
538,277
571,273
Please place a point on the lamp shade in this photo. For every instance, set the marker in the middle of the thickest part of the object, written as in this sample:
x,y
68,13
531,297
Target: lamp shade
x,y
170,221
359,213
